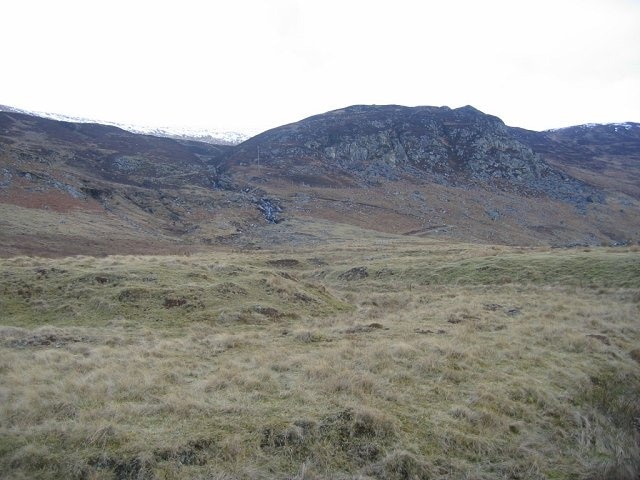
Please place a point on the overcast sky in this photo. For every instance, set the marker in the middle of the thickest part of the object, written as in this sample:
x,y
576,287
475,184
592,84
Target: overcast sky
x,y
250,65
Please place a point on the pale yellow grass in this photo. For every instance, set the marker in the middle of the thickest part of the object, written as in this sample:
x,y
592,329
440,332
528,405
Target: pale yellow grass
x,y
412,380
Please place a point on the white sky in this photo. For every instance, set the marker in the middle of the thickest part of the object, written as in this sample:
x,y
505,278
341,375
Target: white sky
x,y
250,65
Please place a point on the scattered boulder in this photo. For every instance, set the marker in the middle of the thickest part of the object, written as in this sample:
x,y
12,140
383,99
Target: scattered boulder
x,y
271,209
492,214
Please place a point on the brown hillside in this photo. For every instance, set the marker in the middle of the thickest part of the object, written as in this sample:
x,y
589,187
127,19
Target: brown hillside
x,y
461,174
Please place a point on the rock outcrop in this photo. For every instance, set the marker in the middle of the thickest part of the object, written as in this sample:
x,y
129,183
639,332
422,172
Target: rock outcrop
x,y
437,144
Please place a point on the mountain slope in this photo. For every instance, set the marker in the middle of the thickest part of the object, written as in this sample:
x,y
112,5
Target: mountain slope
x,y
604,155
70,187
206,135
429,170
426,171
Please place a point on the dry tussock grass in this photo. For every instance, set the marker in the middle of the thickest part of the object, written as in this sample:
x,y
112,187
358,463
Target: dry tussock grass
x,y
400,375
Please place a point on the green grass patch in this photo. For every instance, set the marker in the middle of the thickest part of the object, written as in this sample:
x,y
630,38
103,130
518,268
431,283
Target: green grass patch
x,y
600,268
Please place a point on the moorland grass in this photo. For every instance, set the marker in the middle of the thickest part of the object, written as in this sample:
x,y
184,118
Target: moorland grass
x,y
441,361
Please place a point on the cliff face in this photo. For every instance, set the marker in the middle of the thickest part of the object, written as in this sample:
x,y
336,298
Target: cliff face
x,y
438,144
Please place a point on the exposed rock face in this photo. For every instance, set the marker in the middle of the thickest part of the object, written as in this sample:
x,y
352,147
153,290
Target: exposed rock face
x,y
270,210
448,146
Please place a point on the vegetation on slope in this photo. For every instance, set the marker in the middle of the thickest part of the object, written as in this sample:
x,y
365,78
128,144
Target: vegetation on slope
x,y
389,359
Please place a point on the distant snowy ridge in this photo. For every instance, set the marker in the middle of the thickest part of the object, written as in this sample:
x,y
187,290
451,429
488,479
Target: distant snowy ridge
x,y
214,136
218,137
587,126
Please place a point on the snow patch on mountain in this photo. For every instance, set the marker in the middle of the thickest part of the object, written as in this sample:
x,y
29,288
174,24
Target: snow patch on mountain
x,y
215,136
588,126
207,135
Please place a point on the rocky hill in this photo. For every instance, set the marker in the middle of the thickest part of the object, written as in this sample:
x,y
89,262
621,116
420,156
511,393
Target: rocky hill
x,y
372,144
451,172
430,171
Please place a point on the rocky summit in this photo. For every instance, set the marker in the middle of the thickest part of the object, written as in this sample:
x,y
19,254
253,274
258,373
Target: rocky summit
x,y
447,146
456,174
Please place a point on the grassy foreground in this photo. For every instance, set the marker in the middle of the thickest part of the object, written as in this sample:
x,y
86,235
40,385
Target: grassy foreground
x,y
395,359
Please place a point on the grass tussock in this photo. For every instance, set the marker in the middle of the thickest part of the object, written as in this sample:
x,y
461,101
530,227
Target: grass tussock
x,y
440,362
